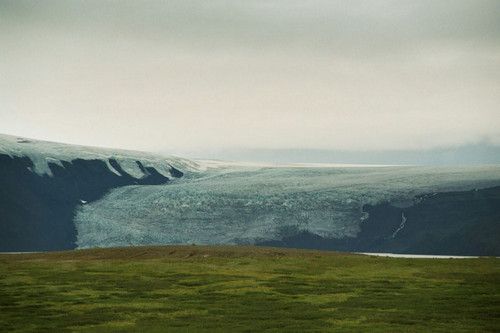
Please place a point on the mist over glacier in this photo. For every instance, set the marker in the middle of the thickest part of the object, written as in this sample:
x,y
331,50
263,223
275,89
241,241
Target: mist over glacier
x,y
250,204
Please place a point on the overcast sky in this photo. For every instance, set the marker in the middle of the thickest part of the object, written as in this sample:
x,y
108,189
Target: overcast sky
x,y
193,75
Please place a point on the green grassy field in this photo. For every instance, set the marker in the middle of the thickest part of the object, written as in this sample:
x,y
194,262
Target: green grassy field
x,y
247,289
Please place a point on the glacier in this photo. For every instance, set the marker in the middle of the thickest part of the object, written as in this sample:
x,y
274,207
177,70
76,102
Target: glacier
x,y
57,196
250,203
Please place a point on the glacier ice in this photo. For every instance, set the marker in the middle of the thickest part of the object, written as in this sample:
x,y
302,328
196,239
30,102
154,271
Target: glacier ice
x,y
244,204
44,153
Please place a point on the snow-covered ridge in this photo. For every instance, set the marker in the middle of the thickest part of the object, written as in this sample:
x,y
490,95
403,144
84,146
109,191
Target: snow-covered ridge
x,y
41,153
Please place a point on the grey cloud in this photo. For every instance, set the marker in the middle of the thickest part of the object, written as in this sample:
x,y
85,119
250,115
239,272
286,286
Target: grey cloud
x,y
323,24
310,74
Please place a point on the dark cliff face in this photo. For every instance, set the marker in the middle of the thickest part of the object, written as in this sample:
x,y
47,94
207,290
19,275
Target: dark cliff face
x,y
36,211
461,223
452,223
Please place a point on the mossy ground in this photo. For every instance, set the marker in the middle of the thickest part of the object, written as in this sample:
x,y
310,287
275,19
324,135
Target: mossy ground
x,y
247,289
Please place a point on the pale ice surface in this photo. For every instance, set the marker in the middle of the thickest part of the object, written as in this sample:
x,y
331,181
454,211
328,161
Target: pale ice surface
x,y
42,153
232,203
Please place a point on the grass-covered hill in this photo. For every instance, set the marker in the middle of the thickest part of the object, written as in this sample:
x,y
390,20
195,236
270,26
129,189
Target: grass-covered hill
x,y
244,289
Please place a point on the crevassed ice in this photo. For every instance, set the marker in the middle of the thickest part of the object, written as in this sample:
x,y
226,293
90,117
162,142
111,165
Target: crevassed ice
x,y
241,205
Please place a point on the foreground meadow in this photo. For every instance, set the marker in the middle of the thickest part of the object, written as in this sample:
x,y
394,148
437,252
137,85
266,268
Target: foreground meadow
x,y
244,289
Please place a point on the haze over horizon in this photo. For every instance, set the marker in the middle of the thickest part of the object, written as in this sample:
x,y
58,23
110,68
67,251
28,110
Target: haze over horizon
x,y
188,76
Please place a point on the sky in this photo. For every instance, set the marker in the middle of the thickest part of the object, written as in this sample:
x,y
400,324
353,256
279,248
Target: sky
x,y
184,76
